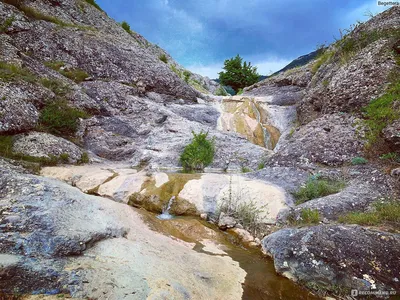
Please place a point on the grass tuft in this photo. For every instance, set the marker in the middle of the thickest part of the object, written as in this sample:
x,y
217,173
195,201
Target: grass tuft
x,y
316,188
359,161
381,112
324,57
308,216
383,212
164,59
11,72
55,85
75,74
7,23
60,119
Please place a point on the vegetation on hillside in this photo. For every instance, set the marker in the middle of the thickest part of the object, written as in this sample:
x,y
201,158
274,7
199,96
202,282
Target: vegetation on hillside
x,y
316,187
126,27
382,212
199,153
60,119
238,74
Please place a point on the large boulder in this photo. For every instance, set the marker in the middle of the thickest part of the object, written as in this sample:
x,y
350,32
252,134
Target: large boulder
x,y
40,144
331,257
330,140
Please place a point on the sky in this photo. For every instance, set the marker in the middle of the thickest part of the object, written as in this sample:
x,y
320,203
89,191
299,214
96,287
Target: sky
x,y
202,34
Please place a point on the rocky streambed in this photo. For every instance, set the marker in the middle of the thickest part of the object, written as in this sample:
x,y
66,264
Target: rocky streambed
x,y
91,246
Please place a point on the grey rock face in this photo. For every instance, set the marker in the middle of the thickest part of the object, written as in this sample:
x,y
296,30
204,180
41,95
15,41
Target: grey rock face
x,y
16,113
283,89
392,133
39,144
330,140
328,256
286,177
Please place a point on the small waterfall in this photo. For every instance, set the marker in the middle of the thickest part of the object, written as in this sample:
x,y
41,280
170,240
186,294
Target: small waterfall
x,y
258,118
165,212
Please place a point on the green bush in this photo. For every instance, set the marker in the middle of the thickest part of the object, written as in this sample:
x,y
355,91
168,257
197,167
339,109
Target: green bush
x,y
64,158
316,188
186,75
76,75
383,212
84,158
238,73
60,119
359,161
164,59
307,216
126,26
261,166
199,153
240,92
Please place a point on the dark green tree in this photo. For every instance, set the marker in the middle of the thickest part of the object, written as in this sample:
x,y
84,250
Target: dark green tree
x,y
238,73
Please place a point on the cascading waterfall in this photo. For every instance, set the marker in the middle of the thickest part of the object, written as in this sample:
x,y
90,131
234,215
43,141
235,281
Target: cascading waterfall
x,y
258,118
165,212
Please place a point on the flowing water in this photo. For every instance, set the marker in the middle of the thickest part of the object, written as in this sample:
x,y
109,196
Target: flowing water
x,y
261,282
165,212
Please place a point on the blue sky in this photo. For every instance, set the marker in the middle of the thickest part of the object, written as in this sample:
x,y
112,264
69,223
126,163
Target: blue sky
x,y
201,34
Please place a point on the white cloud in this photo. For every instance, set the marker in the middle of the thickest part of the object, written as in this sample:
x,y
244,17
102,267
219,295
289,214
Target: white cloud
x,y
272,65
211,71
264,67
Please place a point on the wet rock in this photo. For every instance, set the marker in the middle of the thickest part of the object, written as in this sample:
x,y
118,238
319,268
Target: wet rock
x,y
226,222
39,144
243,235
329,256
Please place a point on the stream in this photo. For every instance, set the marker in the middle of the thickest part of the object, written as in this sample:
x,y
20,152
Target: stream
x,y
261,282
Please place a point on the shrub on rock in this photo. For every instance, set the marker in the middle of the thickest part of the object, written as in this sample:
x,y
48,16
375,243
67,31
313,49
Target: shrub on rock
x,y
199,153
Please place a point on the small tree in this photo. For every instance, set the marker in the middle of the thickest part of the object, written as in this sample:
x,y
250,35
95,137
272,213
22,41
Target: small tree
x,y
238,74
126,26
199,153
